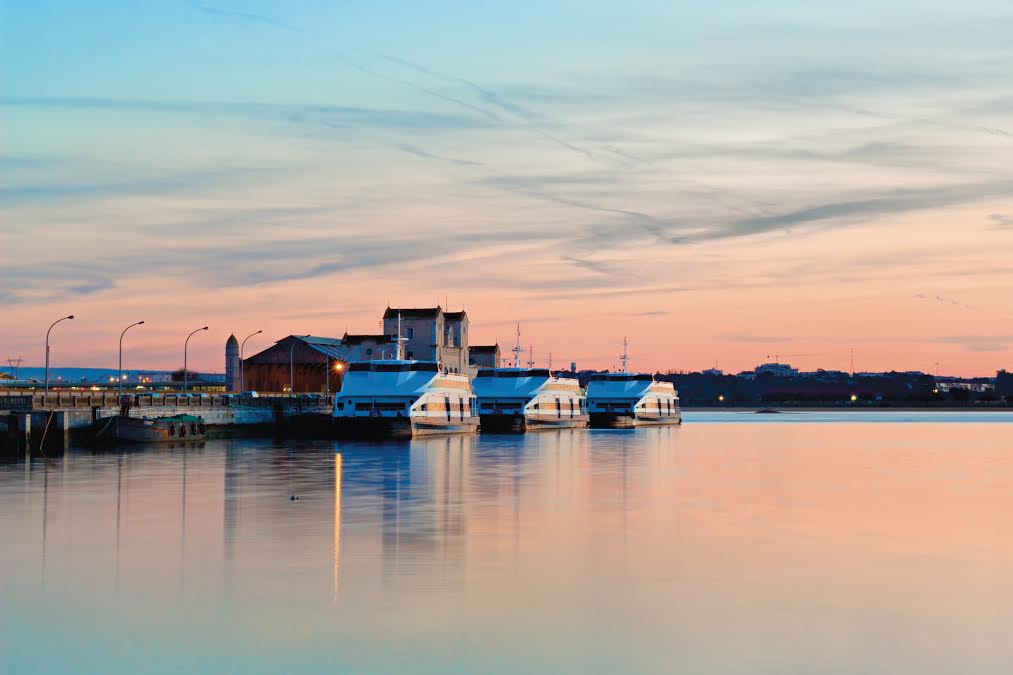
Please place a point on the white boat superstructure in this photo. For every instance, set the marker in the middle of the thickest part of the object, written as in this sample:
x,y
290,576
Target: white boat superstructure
x,y
519,399
624,399
400,397
403,397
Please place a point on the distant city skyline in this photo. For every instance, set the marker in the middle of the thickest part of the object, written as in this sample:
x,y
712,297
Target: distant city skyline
x,y
716,181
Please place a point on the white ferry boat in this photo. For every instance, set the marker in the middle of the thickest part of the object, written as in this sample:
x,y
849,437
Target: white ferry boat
x,y
624,399
521,399
403,398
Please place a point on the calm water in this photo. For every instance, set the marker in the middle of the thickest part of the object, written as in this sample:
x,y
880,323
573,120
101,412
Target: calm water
x,y
845,545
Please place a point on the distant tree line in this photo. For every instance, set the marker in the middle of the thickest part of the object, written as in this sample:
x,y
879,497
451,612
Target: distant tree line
x,y
829,388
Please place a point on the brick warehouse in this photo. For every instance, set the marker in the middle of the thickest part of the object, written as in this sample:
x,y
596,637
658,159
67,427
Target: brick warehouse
x,y
308,361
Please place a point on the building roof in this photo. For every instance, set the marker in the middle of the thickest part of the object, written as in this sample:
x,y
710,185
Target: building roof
x,y
316,339
455,316
359,339
232,341
413,313
484,349
328,346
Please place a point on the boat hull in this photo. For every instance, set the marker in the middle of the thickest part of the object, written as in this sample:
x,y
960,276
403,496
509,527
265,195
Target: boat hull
x,y
611,420
401,427
517,423
136,430
614,420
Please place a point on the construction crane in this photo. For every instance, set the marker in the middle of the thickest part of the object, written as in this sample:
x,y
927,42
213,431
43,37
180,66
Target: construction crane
x,y
777,356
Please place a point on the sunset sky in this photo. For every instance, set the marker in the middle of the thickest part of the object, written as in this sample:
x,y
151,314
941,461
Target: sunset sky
x,y
718,180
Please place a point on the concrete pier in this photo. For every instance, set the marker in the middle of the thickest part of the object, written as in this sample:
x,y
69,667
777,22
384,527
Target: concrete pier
x,y
47,423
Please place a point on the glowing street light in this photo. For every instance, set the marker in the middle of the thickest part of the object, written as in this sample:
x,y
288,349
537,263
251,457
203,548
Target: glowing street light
x,y
71,316
120,376
854,398
242,378
185,344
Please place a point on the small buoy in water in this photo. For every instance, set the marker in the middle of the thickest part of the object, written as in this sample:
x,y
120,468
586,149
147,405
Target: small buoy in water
x,y
293,498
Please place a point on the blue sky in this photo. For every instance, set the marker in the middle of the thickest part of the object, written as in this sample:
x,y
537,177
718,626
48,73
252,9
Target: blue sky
x,y
812,176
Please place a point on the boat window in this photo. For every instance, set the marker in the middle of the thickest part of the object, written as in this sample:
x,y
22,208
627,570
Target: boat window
x,y
424,366
357,367
485,373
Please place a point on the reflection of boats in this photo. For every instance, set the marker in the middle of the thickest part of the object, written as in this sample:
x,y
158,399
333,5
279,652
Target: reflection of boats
x,y
624,399
519,399
403,397
156,430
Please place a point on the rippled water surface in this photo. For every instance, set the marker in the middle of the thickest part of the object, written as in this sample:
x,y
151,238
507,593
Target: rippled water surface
x,y
844,545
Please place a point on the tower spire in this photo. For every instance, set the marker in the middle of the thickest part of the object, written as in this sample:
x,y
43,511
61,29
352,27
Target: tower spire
x,y
625,358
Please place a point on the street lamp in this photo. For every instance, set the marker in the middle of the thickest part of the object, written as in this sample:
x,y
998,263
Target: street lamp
x,y
291,365
242,378
120,375
47,348
187,342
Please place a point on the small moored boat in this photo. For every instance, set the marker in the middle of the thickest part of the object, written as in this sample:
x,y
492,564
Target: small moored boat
x,y
155,430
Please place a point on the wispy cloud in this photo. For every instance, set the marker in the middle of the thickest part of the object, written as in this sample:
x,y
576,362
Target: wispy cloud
x,y
761,339
424,154
1002,221
945,301
858,210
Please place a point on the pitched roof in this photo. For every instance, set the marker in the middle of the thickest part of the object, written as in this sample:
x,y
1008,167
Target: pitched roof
x,y
327,346
413,313
359,339
316,339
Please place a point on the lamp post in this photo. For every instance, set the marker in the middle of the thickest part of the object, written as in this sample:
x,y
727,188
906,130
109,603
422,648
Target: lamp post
x,y
291,367
119,378
242,378
71,316
185,344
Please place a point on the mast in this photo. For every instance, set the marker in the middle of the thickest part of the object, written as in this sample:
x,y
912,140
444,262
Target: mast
x,y
517,349
400,340
531,356
625,358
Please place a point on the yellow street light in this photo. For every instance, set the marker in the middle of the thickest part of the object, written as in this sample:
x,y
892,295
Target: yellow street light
x,y
853,398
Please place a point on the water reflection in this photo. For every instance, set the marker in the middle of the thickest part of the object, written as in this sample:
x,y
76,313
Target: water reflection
x,y
711,548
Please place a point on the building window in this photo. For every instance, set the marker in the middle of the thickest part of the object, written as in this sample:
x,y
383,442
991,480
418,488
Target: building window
x,y
369,351
410,333
411,355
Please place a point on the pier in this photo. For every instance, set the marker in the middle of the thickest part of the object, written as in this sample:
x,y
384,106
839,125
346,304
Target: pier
x,y
36,421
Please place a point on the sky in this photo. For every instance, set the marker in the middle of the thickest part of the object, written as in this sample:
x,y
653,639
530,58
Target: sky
x,y
717,181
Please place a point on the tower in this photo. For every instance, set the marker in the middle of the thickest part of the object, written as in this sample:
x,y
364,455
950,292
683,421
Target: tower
x,y
232,364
